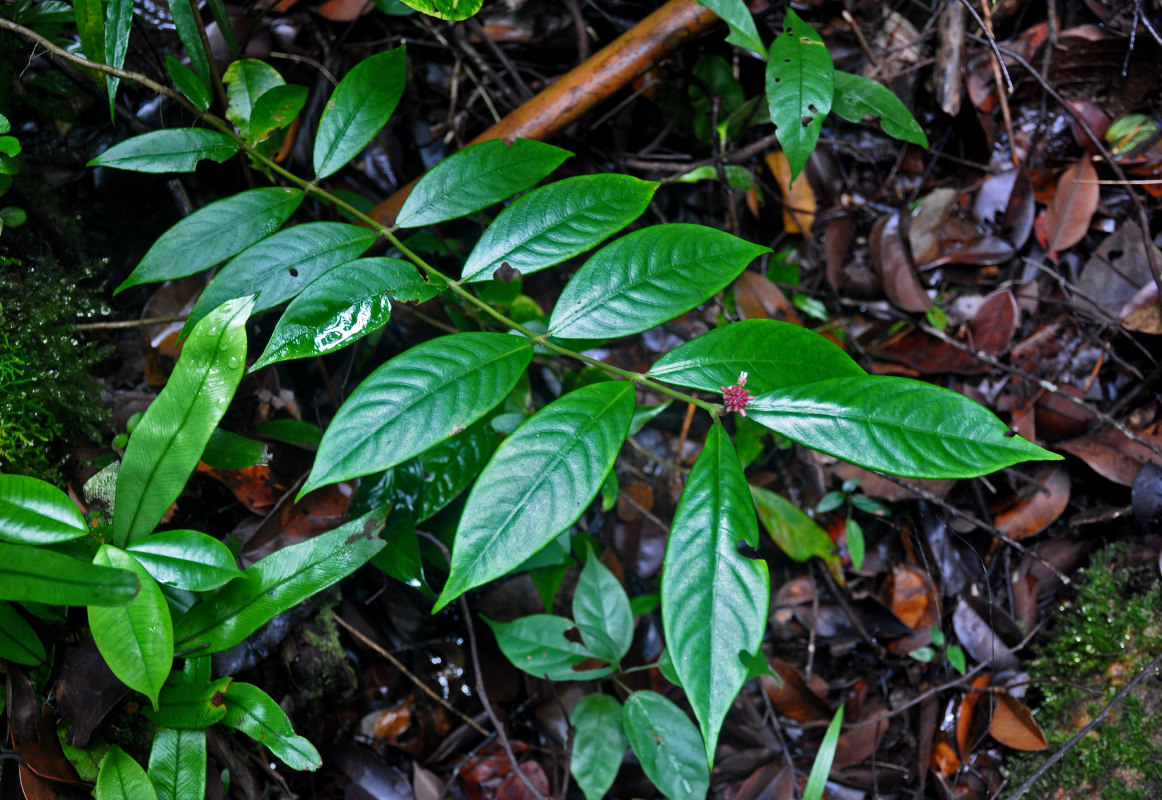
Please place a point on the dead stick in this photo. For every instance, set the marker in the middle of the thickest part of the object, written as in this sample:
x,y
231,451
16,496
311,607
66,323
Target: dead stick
x,y
583,87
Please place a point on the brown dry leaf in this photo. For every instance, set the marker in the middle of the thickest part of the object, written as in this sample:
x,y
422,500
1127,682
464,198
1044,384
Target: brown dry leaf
x,y
876,485
798,197
1113,455
859,742
513,788
927,355
912,596
759,298
1067,218
966,717
1037,508
1142,313
633,500
995,323
344,10
1005,204
1013,725
791,696
771,781
893,262
1115,273
425,784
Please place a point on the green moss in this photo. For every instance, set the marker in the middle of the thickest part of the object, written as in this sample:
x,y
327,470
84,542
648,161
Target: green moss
x,y
1099,642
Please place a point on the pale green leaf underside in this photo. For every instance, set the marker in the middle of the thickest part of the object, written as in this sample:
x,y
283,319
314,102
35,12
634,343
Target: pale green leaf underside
x,y
255,713
556,222
168,442
33,511
539,646
742,28
477,177
598,744
171,150
772,353
857,97
416,400
800,89
649,277
714,600
361,104
539,481
795,533
215,233
177,764
895,425
667,744
36,574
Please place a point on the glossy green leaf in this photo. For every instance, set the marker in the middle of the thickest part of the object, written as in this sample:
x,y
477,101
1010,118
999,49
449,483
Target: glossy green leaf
x,y
34,574
291,431
556,222
279,267
187,559
857,97
361,104
188,83
118,21
169,150
186,24
177,764
772,353
33,511
895,425
714,599
215,233
401,558
800,89
477,177
598,744
451,466
122,778
254,712
821,768
546,646
735,14
135,639
276,109
539,481
221,15
649,277
600,602
342,305
90,18
792,531
247,80
447,9
18,641
417,400
227,450
668,746
277,582
168,442
187,704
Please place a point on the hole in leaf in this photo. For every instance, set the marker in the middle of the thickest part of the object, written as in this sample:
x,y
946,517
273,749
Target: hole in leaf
x,y
506,272
811,107
786,61
1010,434
746,551
294,273
805,121
1116,253
807,39
573,635
789,29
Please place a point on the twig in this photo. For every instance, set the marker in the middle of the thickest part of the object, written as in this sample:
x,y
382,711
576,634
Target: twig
x,y
124,324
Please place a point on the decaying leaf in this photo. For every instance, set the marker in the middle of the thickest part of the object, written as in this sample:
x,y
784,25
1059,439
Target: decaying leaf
x,y
1067,218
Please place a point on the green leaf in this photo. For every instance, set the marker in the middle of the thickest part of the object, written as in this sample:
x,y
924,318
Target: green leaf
x,y
855,543
170,150
598,744
339,307
857,97
246,81
168,442
190,704
415,401
215,233
714,599
35,512
539,481
600,602
800,89
188,83
545,646
649,277
118,20
33,574
276,583
276,109
252,711
735,14
556,222
817,780
291,431
895,425
279,267
447,9
122,778
451,466
667,744
18,641
187,27
227,450
476,177
792,531
187,559
772,353
177,764
361,104
135,639
90,19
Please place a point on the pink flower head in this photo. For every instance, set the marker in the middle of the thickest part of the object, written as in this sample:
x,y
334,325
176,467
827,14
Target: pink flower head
x,y
736,397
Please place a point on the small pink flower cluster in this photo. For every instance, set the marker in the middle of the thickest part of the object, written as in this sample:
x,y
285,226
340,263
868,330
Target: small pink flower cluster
x,y
736,397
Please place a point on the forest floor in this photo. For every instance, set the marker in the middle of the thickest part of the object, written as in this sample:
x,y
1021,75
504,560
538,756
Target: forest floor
x,y
993,623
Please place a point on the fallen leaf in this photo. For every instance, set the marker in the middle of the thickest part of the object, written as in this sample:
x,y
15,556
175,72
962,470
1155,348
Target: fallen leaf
x,y
1067,218
757,297
798,196
1113,455
893,262
1038,507
1013,726
995,323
